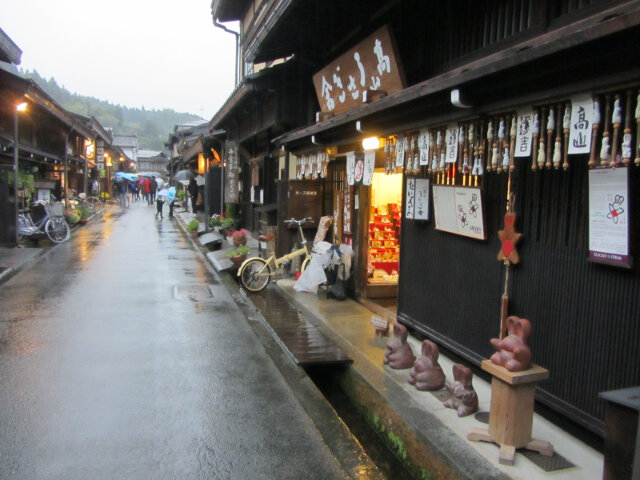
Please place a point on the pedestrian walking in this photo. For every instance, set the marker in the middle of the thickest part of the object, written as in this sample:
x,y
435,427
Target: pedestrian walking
x,y
122,192
193,193
153,188
147,190
171,199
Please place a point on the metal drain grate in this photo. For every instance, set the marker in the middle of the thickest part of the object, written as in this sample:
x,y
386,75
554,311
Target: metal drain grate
x,y
194,293
548,464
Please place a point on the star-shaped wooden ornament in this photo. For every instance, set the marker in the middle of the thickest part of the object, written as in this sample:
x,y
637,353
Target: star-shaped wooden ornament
x,y
509,239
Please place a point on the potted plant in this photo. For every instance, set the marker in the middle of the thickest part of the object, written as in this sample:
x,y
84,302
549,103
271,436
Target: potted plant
x,y
84,214
216,222
227,225
238,255
192,227
240,237
71,216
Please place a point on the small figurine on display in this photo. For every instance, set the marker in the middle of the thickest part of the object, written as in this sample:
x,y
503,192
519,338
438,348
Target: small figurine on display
x,y
512,352
399,354
427,373
463,397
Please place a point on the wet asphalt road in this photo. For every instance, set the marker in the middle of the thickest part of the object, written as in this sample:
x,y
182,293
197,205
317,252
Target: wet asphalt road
x,y
115,363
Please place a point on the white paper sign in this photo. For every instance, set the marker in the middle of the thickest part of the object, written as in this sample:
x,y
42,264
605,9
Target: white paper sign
x,y
451,138
459,210
524,134
609,216
580,129
369,165
423,143
401,144
409,200
421,209
351,168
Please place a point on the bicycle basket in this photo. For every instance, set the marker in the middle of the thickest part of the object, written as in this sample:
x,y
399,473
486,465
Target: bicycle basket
x,y
56,210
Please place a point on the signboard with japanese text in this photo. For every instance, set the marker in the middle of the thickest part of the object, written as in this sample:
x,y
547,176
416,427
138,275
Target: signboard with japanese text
x,y
409,198
581,125
369,165
451,144
459,210
347,211
524,134
351,168
609,216
232,173
421,210
370,65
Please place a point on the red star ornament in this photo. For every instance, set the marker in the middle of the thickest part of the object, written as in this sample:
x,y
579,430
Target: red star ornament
x,y
509,239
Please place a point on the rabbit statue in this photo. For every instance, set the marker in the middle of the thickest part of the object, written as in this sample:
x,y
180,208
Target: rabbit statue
x,y
463,397
427,373
512,352
399,354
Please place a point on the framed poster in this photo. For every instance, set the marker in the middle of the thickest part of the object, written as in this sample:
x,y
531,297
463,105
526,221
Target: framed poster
x,y
609,216
459,210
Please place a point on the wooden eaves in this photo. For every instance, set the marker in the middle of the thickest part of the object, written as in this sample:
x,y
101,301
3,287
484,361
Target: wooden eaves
x,y
606,22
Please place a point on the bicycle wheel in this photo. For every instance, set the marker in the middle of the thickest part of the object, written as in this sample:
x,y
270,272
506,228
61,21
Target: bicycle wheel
x,y
93,204
57,229
255,274
23,227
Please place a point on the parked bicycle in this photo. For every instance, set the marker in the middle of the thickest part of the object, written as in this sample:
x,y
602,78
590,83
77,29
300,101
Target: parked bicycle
x,y
255,272
93,204
43,220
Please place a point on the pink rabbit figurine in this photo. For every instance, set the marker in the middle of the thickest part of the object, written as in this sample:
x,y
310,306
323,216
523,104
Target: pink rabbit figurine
x,y
427,373
512,352
463,397
399,354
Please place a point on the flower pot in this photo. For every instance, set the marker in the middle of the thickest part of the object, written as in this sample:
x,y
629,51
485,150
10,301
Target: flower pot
x,y
238,259
239,241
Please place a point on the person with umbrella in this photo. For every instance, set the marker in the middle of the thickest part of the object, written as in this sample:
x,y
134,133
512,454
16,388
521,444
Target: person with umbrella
x,y
193,193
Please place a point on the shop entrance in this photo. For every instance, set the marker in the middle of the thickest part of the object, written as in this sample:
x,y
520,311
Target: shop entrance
x,y
384,240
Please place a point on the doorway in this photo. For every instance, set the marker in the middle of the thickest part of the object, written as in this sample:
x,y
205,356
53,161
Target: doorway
x,y
383,242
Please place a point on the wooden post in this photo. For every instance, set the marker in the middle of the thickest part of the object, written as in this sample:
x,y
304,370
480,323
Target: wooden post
x,y
511,413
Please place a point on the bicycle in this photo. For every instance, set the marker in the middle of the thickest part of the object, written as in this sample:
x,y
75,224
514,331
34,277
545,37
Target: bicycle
x,y
256,272
50,222
93,204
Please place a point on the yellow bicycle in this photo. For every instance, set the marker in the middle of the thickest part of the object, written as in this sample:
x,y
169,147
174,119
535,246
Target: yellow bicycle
x,y
255,272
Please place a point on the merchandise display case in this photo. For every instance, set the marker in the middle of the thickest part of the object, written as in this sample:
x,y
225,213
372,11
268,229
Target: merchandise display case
x,y
384,244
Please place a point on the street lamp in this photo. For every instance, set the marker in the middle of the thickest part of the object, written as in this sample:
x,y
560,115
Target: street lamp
x,y
20,107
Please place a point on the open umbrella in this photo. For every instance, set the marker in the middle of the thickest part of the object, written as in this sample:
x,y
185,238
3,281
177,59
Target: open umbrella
x,y
184,175
127,176
150,174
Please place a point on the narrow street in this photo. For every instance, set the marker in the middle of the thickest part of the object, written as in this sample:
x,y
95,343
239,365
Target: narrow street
x,y
123,356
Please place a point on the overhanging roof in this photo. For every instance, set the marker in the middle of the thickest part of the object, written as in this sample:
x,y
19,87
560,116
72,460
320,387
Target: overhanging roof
x,y
606,22
9,51
228,10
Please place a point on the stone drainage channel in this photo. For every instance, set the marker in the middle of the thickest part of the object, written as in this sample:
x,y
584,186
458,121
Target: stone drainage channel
x,y
344,429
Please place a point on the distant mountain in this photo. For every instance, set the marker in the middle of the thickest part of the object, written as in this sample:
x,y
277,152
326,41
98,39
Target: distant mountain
x,y
152,126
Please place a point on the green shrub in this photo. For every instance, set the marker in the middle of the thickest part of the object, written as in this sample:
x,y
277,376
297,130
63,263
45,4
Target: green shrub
x,y
241,250
192,226
83,213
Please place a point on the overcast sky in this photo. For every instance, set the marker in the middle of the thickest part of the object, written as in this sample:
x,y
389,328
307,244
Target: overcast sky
x,y
156,53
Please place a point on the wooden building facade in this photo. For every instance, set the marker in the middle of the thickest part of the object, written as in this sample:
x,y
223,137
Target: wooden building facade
x,y
481,66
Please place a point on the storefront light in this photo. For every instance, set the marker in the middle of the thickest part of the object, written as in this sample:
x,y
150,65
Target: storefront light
x,y
371,143
201,164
